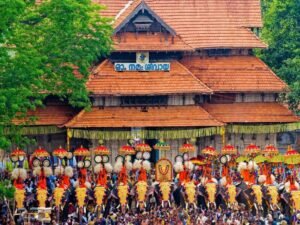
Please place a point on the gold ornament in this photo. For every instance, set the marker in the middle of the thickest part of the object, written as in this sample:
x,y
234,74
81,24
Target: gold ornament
x,y
80,195
122,193
296,199
42,197
164,170
190,190
165,188
141,188
232,194
99,193
19,198
258,193
58,194
211,189
272,190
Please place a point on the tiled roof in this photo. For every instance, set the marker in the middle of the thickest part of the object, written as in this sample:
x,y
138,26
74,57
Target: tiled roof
x,y
171,116
149,42
251,113
202,23
49,115
234,74
106,81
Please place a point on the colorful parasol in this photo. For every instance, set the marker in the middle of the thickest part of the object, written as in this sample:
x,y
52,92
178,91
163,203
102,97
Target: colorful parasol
x,y
81,151
242,158
187,147
229,150
270,150
291,156
143,147
41,152
252,149
197,161
276,159
126,150
162,146
260,159
210,151
60,152
101,150
18,152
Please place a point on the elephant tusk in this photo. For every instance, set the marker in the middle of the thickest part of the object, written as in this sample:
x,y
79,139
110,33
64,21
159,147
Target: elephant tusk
x,y
271,206
255,206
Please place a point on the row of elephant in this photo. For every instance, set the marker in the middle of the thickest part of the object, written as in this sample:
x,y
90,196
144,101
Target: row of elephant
x,y
259,199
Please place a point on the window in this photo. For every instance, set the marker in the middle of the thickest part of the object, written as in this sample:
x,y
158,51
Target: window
x,y
144,100
223,98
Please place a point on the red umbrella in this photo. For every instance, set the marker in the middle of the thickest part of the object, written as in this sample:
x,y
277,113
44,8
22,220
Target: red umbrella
x,y
60,152
101,150
18,152
210,151
252,149
229,150
187,148
142,147
40,152
291,153
270,150
81,151
127,150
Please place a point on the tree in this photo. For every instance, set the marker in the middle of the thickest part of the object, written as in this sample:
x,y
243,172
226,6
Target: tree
x,y
42,46
282,33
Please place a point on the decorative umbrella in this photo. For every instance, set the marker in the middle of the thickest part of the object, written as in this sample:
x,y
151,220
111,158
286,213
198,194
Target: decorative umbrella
x,y
242,159
187,147
126,150
143,147
81,151
60,152
229,150
260,159
162,146
276,159
197,161
291,156
270,150
17,152
209,151
101,150
252,149
40,152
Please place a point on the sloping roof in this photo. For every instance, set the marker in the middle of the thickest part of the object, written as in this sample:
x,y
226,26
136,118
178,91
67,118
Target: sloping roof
x,y
251,113
234,74
171,116
202,23
148,42
49,115
106,81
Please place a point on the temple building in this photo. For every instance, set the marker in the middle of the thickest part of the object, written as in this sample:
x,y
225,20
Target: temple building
x,y
180,70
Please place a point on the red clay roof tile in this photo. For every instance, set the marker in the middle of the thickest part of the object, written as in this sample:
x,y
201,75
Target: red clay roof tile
x,y
171,116
234,74
49,115
202,23
106,81
251,113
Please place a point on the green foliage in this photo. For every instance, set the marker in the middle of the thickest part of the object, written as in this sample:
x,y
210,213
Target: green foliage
x,y
7,190
281,31
41,47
